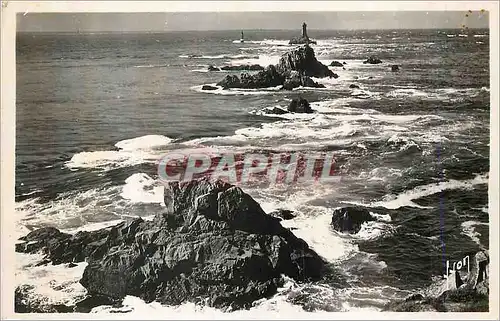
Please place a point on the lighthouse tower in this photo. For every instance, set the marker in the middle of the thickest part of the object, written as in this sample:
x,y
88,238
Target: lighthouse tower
x,y
304,30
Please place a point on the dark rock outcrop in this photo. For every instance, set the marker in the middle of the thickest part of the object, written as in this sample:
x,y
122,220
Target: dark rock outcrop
x,y
372,60
275,111
295,79
394,68
283,214
293,70
213,244
242,67
212,68
353,86
459,293
208,87
303,60
299,105
269,77
349,219
336,63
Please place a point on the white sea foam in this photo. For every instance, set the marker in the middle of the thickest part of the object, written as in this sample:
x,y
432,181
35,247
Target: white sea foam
x,y
132,152
140,188
143,142
469,230
263,60
406,198
52,284
236,91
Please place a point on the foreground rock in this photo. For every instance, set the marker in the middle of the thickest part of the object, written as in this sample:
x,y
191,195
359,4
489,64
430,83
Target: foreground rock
x,y
349,219
461,292
294,69
214,245
373,61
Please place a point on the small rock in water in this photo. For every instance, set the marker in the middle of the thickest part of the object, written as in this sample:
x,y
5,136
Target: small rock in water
x,y
208,87
299,105
336,63
283,214
212,68
349,219
372,60
394,68
353,86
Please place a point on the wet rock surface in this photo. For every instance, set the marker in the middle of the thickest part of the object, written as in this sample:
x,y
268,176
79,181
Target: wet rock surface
x,y
214,244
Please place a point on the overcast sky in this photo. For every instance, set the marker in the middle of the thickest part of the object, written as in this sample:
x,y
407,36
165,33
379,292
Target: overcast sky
x,y
154,22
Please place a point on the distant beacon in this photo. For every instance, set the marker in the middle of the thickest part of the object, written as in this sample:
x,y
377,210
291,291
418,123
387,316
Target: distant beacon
x,y
303,39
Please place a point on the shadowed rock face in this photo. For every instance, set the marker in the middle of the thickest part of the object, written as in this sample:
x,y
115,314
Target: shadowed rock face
x,y
213,244
349,219
303,60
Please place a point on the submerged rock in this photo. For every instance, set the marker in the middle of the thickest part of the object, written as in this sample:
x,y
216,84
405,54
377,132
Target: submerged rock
x,y
349,219
353,86
394,68
212,68
213,244
372,60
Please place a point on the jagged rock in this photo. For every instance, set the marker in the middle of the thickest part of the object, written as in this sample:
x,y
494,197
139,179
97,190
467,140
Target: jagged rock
x,y
299,105
26,301
208,87
372,60
283,214
394,68
295,79
336,63
293,70
303,60
353,86
212,68
344,63
214,243
242,67
263,79
349,219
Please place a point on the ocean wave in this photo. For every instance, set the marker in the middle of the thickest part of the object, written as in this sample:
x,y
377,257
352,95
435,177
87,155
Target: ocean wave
x,y
406,198
221,56
236,91
262,60
151,66
134,151
469,230
140,188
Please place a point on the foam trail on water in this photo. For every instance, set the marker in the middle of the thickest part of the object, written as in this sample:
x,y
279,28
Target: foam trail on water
x,y
140,188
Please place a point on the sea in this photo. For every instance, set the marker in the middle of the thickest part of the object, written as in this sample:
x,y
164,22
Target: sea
x,y
95,113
